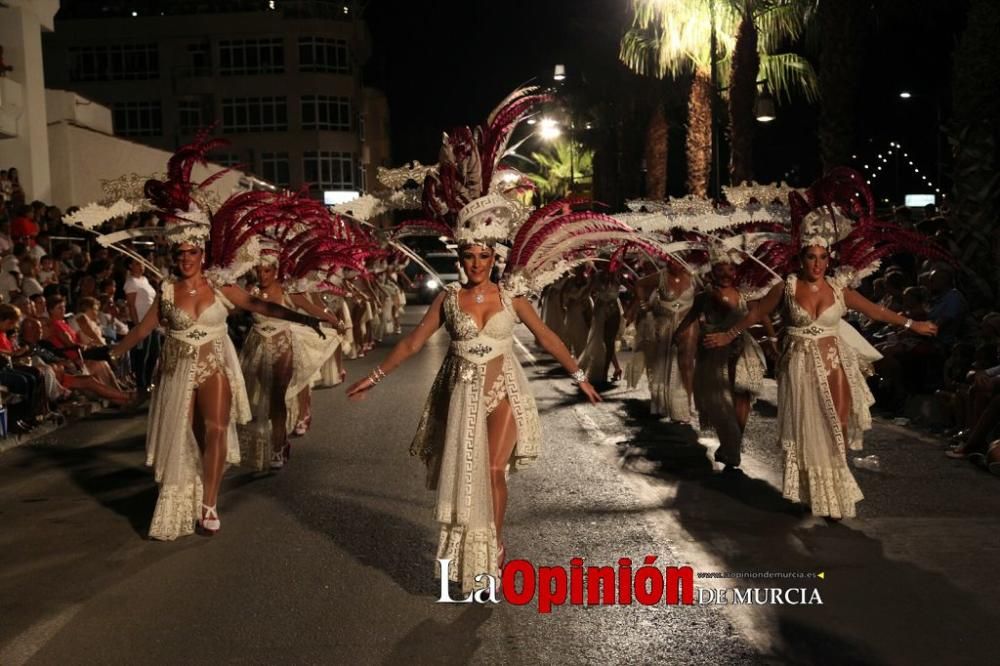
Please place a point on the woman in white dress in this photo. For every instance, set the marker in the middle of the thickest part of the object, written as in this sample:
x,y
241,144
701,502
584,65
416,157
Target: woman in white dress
x,y
266,361
578,307
599,352
333,371
553,310
480,417
663,352
200,384
823,400
311,351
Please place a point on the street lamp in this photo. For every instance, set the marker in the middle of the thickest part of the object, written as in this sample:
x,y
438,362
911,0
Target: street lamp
x,y
549,129
905,94
764,109
559,73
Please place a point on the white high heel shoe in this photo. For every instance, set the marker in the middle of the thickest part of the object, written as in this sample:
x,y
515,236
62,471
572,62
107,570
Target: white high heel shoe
x,y
209,523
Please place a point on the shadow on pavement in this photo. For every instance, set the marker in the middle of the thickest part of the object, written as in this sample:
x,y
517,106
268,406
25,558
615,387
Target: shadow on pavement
x,y
434,642
391,544
875,609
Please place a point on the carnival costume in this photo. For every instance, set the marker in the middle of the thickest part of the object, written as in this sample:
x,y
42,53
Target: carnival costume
x,y
605,323
836,213
657,353
472,198
198,348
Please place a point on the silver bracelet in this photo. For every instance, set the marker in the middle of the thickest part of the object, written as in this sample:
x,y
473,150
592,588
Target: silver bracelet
x,y
376,375
579,376
908,323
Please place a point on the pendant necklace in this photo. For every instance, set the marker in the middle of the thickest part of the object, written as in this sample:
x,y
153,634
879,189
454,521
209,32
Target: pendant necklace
x,y
478,296
813,287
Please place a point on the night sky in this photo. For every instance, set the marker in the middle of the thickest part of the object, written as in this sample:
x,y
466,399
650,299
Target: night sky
x,y
446,63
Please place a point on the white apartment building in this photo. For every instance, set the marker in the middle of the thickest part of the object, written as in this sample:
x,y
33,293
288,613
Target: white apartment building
x,y
282,79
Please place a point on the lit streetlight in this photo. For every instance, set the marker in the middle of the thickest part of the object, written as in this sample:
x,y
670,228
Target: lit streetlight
x,y
549,129
764,108
905,94
559,74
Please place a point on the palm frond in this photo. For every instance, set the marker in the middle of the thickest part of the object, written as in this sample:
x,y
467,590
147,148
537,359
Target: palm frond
x,y
780,21
788,72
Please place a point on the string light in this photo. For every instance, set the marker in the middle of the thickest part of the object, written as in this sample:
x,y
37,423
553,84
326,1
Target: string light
x,y
895,147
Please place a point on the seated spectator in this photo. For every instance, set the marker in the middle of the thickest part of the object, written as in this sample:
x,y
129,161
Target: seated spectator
x,y
88,323
953,396
6,244
67,343
37,307
981,445
10,283
64,374
47,273
948,309
23,228
16,191
24,381
6,188
29,277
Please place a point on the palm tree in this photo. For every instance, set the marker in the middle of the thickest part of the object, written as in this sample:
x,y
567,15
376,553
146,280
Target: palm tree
x,y
764,27
674,39
567,168
656,154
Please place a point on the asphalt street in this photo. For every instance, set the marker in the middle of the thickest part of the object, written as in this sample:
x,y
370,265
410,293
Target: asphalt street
x,y
330,560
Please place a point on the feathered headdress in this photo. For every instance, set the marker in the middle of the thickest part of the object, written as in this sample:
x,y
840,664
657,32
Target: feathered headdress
x,y
297,228
838,212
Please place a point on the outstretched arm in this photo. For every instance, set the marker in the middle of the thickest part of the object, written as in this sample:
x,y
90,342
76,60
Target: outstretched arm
x,y
241,299
551,343
758,311
303,302
412,343
140,332
856,301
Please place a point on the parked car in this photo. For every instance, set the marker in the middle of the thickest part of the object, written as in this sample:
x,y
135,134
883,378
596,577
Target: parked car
x,y
425,286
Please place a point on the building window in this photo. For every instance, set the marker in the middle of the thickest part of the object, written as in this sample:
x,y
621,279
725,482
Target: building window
x,y
189,117
229,160
199,61
114,62
254,114
326,113
318,54
251,56
361,126
329,170
274,168
138,119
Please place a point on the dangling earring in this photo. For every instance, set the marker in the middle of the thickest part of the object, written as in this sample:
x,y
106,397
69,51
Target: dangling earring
x,y
462,277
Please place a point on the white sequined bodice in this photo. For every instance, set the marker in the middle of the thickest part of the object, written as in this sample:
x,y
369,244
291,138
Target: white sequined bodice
x,y
461,325
828,318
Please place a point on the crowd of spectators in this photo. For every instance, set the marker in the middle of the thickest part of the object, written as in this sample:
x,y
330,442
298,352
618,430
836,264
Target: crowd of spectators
x,y
950,382
63,301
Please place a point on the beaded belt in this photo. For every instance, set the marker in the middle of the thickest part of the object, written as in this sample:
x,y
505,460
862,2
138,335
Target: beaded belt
x,y
198,335
270,329
813,331
480,349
